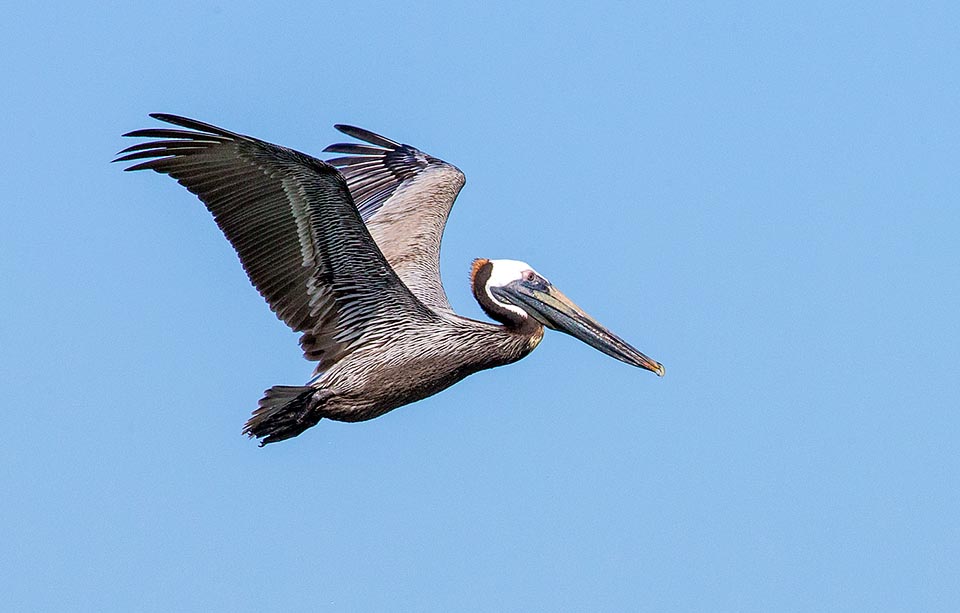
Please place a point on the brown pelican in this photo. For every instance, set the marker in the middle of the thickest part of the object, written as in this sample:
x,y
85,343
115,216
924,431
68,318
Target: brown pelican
x,y
347,252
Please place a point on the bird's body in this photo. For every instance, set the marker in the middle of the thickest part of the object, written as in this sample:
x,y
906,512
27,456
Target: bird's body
x,y
414,365
347,252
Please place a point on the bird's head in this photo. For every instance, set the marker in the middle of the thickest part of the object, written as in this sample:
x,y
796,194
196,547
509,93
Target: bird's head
x,y
517,296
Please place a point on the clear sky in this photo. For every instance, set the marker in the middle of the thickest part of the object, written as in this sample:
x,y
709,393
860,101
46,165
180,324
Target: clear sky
x,y
765,199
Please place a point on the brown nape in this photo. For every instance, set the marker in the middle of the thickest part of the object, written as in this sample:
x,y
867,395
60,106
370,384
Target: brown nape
x,y
479,275
475,269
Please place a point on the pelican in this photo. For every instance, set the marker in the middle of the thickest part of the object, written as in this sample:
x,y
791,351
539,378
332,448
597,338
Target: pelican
x,y
347,252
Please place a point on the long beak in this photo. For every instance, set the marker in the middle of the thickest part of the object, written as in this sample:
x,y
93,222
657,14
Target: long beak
x,y
550,307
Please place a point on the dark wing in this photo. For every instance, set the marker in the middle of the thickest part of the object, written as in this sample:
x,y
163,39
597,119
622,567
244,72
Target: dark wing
x,y
404,197
293,223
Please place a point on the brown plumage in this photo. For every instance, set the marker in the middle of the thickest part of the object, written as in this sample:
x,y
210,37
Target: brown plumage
x,y
347,253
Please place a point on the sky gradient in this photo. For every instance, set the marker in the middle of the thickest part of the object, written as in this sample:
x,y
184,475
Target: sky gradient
x,y
764,199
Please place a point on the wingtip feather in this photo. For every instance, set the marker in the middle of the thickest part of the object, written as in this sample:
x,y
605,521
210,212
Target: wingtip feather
x,y
367,136
193,124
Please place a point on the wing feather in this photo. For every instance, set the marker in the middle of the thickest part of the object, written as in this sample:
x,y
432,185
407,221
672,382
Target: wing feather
x,y
295,227
404,196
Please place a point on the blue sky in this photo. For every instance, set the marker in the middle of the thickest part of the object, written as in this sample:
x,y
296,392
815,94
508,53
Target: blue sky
x,y
765,199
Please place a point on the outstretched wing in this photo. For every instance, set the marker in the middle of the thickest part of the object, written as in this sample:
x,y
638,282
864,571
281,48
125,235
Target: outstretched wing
x,y
404,197
294,225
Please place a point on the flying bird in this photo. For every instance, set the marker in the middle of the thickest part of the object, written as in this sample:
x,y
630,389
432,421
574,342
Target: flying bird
x,y
346,251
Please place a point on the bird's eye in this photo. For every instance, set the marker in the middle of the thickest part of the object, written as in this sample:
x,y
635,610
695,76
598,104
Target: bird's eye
x,y
529,275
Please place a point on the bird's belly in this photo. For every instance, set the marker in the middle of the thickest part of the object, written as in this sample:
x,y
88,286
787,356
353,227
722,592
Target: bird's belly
x,y
364,395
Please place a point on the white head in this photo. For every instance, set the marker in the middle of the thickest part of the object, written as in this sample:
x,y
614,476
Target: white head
x,y
505,272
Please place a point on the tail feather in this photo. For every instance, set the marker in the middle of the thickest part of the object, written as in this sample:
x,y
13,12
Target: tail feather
x,y
284,412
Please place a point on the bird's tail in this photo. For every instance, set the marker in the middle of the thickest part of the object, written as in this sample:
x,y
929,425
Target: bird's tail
x,y
284,412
